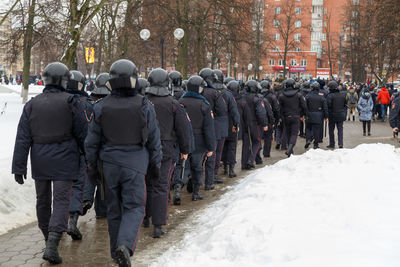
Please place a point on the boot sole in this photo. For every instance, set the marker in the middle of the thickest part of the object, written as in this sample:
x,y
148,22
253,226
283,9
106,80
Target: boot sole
x,y
75,235
51,260
121,260
177,201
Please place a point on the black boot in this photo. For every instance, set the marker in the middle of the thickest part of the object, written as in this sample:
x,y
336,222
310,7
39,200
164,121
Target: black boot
x,y
51,253
73,230
123,256
354,118
225,169
316,146
232,171
157,231
278,146
87,204
146,222
289,151
196,193
189,186
307,144
217,180
209,187
45,234
177,194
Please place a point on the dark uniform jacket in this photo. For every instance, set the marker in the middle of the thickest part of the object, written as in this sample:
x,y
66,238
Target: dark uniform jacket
x,y
273,100
257,110
124,132
292,104
202,121
336,106
394,115
317,107
53,127
220,110
233,113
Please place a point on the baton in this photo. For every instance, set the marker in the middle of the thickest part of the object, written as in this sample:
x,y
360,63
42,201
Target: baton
x,y
183,162
326,126
102,189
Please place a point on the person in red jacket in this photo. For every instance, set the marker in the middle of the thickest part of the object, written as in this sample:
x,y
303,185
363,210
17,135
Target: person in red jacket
x,y
384,100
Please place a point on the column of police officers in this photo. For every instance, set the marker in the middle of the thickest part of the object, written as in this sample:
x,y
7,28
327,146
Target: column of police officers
x,y
126,145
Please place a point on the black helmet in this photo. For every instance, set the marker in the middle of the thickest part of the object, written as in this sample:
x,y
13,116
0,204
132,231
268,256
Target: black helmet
x,y
184,83
158,77
220,76
123,75
332,85
56,74
252,86
77,81
196,84
208,75
176,78
142,85
265,85
315,86
102,84
227,80
306,85
289,83
234,86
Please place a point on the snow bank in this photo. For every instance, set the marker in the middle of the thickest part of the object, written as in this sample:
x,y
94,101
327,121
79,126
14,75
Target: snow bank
x,y
323,208
17,203
33,89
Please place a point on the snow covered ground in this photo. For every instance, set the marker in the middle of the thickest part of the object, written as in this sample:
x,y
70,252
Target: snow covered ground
x,y
33,89
17,203
323,208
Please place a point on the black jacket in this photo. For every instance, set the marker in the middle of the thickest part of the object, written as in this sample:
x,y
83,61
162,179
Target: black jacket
x,y
292,104
336,106
317,107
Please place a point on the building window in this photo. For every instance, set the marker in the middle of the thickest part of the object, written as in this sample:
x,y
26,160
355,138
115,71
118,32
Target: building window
x,y
297,49
297,24
277,10
280,62
276,37
303,62
355,14
298,10
323,37
325,10
297,37
276,49
276,23
272,62
293,62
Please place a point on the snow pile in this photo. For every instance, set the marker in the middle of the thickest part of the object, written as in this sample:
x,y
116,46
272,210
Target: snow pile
x,y
323,208
33,89
17,203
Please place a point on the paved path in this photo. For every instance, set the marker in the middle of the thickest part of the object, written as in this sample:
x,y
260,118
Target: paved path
x,y
24,246
4,89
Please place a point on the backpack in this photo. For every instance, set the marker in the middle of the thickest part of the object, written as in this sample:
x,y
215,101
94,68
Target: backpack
x,y
352,99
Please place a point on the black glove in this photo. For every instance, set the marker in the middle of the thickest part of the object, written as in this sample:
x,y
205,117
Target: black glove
x,y
154,172
93,174
19,178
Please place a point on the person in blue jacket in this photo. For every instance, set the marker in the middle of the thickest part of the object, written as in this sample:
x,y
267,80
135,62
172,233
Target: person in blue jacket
x,y
365,107
53,127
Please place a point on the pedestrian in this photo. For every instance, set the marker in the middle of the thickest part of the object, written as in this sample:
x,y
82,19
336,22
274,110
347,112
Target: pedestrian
x,y
76,86
175,131
394,115
317,113
123,144
53,128
384,100
293,109
352,100
336,113
255,121
201,117
94,193
365,107
220,113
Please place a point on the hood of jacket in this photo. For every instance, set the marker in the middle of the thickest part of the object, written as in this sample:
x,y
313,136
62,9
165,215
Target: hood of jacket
x,y
290,92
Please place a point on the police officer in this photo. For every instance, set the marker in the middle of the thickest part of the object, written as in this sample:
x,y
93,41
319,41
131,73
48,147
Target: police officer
x,y
273,101
99,92
76,86
176,84
233,119
230,146
228,80
293,109
142,85
200,114
220,113
317,113
123,142
53,127
394,115
305,90
257,118
336,109
174,128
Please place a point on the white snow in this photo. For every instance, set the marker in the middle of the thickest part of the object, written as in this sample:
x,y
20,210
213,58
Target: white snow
x,y
17,203
323,208
33,89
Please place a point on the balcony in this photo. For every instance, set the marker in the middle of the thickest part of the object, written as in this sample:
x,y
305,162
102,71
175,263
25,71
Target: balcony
x,y
317,2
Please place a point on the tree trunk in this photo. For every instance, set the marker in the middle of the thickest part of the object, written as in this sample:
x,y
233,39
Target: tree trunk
x,y
28,42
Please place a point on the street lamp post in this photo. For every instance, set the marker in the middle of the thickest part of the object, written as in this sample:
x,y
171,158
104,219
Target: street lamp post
x,y
178,34
235,66
249,67
260,68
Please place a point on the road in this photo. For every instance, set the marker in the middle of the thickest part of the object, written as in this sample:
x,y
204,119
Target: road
x,y
24,246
